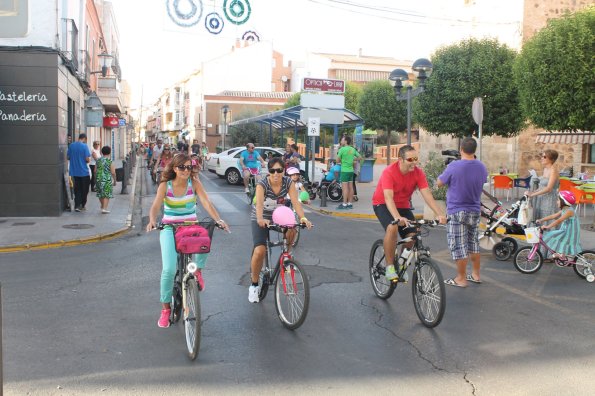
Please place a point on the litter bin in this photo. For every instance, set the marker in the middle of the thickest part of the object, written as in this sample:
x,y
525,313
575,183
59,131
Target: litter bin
x,y
366,173
119,174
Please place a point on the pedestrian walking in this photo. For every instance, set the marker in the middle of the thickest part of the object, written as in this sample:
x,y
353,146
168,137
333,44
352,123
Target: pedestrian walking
x,y
79,156
106,179
346,156
95,155
465,179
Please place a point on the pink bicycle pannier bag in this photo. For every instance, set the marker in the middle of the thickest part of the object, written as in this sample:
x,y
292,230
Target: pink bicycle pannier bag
x,y
193,239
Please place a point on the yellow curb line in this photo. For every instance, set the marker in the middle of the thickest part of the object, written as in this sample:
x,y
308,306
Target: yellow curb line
x,y
59,244
352,215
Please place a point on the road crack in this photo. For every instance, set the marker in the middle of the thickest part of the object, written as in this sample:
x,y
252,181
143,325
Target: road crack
x,y
419,352
209,317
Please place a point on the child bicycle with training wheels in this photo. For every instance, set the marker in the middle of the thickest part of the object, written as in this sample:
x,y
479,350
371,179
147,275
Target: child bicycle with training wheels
x,y
178,193
563,243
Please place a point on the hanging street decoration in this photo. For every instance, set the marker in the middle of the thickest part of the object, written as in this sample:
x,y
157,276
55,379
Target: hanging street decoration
x,y
214,23
250,35
237,11
185,13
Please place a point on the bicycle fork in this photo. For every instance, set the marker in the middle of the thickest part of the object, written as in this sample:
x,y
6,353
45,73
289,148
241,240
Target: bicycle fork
x,y
191,268
282,258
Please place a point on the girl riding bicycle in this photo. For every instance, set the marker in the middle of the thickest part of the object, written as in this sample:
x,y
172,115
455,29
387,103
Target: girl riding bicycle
x,y
177,193
566,239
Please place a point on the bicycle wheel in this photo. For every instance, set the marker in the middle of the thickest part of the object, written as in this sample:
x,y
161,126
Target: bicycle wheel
x,y
264,279
585,264
525,265
251,190
383,288
428,290
192,320
176,302
334,192
292,294
512,243
502,251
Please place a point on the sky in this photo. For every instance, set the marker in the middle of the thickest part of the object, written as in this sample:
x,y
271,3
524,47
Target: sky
x,y
155,52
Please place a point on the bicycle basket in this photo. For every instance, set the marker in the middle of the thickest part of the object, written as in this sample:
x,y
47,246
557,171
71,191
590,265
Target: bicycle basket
x,y
532,234
193,239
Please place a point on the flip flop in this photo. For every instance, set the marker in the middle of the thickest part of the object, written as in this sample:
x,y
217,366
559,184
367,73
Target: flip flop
x,y
451,282
470,278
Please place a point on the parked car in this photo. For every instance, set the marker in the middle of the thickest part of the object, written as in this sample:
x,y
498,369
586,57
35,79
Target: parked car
x,y
228,165
213,158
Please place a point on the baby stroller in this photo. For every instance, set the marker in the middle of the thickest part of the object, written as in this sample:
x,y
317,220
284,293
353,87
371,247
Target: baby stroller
x,y
503,245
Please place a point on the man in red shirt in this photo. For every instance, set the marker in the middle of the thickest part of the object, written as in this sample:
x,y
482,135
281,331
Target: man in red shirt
x,y
391,202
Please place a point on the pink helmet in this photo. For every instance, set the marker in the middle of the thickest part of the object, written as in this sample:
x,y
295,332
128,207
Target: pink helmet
x,y
284,216
568,197
293,171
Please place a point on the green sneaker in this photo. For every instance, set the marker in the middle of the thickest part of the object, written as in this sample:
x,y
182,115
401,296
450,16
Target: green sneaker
x,y
390,273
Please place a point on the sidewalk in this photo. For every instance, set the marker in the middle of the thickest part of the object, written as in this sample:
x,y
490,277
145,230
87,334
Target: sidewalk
x,y
72,228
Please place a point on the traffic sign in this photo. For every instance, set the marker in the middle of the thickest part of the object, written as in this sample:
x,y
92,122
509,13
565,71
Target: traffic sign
x,y
477,110
322,101
314,126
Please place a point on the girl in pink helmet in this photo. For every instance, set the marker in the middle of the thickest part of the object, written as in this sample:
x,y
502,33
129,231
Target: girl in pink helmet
x,y
566,239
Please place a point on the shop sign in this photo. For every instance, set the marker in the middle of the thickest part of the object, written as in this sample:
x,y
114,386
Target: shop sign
x,y
111,122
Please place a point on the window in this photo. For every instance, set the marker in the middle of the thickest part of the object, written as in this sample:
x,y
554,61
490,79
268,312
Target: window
x,y
592,153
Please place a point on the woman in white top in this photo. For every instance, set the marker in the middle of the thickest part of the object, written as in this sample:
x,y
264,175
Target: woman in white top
x,y
95,155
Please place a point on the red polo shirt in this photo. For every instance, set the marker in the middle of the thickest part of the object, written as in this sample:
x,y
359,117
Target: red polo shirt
x,y
402,185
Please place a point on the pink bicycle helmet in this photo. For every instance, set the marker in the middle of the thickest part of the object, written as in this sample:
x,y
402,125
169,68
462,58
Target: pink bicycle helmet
x,y
568,197
284,216
293,171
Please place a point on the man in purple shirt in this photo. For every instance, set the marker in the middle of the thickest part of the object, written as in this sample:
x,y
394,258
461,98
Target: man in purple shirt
x,y
465,179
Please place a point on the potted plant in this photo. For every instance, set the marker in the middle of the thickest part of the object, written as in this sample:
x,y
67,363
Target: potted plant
x,y
434,168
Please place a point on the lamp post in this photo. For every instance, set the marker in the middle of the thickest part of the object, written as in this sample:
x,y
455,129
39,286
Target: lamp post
x,y
225,110
106,62
423,67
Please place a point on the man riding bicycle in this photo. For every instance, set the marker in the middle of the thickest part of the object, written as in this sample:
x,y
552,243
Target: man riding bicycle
x,y
391,202
249,163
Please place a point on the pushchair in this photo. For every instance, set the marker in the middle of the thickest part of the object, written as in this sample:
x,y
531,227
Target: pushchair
x,y
503,245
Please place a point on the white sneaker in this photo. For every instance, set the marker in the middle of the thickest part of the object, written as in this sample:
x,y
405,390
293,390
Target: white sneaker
x,y
253,293
246,190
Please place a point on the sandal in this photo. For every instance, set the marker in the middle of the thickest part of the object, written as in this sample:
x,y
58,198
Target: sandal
x,y
451,282
470,278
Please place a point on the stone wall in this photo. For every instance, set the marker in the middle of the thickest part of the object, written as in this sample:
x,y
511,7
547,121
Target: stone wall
x,y
538,12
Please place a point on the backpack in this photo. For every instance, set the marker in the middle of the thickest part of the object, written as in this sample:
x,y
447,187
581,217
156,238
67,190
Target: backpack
x,y
192,239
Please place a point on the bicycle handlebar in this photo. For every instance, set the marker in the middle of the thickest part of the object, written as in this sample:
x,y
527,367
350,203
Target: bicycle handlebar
x,y
430,223
280,228
161,226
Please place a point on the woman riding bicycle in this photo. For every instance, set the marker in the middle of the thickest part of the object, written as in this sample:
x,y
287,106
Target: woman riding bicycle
x,y
270,193
177,192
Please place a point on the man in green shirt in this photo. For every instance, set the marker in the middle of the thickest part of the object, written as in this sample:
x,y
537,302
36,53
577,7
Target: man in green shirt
x,y
346,156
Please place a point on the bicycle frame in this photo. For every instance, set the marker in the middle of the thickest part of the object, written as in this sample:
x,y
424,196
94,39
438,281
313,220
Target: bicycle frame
x,y
565,261
284,255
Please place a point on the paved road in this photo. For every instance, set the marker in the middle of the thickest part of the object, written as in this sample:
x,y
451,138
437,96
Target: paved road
x,y
82,320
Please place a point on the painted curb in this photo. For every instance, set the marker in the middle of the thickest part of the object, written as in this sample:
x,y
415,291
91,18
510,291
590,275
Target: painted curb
x,y
81,241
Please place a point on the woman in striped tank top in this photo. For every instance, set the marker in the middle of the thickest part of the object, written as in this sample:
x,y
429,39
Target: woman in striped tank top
x,y
177,192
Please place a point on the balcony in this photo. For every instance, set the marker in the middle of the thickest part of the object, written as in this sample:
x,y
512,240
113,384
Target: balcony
x,y
69,44
108,90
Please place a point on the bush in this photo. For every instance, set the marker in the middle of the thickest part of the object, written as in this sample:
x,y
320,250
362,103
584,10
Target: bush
x,y
434,168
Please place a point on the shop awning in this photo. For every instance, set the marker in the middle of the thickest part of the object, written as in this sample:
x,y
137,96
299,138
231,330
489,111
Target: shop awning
x,y
290,117
566,137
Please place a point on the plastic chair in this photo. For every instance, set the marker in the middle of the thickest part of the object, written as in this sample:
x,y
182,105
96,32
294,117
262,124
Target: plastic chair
x,y
503,182
566,184
522,183
587,197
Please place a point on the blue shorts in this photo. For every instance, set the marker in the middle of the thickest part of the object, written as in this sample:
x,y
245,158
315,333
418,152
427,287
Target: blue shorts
x,y
462,234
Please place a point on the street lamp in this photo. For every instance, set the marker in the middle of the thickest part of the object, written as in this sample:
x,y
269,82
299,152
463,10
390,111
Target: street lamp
x,y
423,67
225,110
105,60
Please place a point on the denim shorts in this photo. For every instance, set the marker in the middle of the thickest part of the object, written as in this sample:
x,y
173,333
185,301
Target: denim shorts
x,y
462,234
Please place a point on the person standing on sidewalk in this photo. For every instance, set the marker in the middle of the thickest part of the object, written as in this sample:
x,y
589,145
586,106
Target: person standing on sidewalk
x,y
79,156
392,202
95,155
465,179
346,156
106,179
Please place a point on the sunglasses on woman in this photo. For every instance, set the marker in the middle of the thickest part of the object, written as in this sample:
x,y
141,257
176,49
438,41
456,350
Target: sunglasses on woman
x,y
276,170
185,167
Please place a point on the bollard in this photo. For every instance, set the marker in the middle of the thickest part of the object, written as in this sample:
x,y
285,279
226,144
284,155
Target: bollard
x,y
323,196
124,179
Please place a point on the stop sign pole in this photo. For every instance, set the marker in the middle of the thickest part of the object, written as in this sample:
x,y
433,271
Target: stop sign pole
x,y
477,112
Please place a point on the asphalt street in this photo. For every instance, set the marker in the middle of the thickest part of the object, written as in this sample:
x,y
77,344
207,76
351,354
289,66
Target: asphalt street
x,y
82,320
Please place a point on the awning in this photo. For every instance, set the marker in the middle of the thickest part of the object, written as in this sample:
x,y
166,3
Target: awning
x,y
566,137
289,118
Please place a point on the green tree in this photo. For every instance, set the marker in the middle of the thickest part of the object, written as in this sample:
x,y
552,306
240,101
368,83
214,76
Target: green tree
x,y
463,71
555,73
294,100
379,107
239,135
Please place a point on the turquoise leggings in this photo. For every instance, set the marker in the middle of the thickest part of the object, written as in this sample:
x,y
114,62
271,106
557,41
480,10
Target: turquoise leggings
x,y
169,258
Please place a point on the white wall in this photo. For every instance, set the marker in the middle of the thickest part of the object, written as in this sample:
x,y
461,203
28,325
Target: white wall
x,y
245,69
314,66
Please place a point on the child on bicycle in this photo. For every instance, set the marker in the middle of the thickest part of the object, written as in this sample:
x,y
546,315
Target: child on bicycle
x,y
294,174
566,239
177,193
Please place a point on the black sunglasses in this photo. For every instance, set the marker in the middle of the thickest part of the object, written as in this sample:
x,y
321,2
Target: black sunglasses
x,y
276,170
185,167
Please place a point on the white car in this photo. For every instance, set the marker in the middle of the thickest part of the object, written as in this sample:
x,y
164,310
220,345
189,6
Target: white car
x,y
228,164
213,158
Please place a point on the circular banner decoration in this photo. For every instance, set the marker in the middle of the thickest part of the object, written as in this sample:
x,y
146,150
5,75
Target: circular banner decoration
x,y
250,35
184,13
237,11
214,23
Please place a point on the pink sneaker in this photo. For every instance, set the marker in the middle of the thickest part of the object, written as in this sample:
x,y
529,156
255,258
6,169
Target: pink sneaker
x,y
164,318
199,280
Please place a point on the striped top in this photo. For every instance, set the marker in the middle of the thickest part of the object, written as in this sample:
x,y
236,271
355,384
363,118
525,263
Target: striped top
x,y
272,200
179,209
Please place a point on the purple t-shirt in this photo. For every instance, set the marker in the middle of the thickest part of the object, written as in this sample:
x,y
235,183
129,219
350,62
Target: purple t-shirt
x,y
465,179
